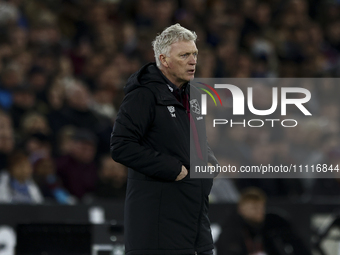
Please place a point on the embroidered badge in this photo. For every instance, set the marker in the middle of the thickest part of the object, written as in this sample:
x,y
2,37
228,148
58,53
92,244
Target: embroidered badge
x,y
172,111
195,107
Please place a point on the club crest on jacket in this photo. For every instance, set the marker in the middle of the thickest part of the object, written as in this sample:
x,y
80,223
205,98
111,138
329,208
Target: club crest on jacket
x,y
195,107
172,111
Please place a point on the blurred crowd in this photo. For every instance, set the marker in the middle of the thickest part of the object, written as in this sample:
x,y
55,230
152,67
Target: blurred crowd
x,y
310,145
64,63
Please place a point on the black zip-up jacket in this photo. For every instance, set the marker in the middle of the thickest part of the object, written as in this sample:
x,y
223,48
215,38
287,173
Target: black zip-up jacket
x,y
151,136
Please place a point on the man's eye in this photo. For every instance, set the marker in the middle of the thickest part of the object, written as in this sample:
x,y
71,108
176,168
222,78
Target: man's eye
x,y
185,55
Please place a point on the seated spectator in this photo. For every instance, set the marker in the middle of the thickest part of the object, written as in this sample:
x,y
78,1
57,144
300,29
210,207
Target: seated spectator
x,y
103,103
253,232
56,97
9,80
5,121
6,146
77,169
49,183
65,141
6,139
112,179
17,185
38,146
38,81
77,110
24,101
34,122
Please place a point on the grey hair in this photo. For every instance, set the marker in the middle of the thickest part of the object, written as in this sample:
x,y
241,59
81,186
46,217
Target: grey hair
x,y
170,35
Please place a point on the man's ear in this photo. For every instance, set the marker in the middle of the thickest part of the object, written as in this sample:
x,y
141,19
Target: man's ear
x,y
162,58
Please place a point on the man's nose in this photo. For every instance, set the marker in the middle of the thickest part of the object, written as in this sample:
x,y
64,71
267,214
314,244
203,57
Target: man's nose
x,y
193,59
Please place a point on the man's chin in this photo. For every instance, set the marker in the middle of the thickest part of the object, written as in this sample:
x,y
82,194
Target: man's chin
x,y
187,79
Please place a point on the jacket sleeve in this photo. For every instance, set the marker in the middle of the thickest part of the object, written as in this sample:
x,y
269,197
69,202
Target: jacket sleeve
x,y
134,118
212,159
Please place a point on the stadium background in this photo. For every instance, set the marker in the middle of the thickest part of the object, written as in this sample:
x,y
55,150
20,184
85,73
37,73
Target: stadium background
x,y
63,65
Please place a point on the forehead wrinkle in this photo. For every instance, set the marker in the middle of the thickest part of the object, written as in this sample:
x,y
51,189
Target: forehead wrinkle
x,y
183,47
188,51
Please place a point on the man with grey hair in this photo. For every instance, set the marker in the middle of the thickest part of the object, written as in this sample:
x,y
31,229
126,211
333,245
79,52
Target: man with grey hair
x,y
165,210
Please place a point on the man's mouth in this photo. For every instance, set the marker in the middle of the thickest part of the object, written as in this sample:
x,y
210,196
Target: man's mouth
x,y
192,71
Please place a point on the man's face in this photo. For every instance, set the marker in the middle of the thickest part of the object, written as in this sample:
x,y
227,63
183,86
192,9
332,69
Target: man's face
x,y
22,171
84,151
252,211
181,62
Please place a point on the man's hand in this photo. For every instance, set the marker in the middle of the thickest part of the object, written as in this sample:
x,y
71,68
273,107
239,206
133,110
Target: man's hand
x,y
182,174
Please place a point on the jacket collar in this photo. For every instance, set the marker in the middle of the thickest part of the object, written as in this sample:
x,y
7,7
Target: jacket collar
x,y
151,77
165,97
166,90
